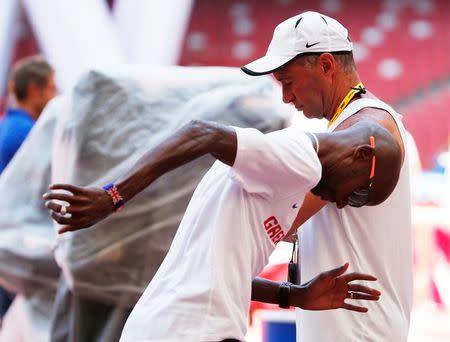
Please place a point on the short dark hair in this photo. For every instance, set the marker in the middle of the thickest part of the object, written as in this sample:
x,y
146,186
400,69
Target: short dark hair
x,y
345,58
31,69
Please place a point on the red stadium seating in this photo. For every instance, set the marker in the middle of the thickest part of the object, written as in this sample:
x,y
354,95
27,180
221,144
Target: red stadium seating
x,y
428,121
401,48
410,42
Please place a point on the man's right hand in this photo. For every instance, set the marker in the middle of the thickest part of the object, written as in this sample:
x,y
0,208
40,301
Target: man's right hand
x,y
86,206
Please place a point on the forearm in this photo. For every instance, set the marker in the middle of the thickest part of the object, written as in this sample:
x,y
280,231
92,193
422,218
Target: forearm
x,y
264,290
311,205
190,142
267,291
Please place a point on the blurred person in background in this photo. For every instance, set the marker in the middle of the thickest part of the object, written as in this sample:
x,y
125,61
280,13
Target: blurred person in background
x,y
32,86
311,55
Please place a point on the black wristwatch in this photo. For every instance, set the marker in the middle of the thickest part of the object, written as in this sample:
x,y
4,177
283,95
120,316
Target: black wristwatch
x,y
283,295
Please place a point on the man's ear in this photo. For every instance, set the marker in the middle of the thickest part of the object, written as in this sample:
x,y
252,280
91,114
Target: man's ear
x,y
327,63
364,152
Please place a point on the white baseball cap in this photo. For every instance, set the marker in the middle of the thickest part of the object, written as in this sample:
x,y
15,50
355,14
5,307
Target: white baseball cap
x,y
305,33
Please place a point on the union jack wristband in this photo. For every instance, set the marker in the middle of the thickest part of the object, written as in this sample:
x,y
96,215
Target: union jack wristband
x,y
117,199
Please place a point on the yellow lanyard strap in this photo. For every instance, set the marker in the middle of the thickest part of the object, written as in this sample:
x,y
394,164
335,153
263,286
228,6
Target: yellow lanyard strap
x,y
358,89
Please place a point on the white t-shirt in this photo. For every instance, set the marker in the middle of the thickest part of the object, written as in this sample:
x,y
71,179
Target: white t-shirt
x,y
202,290
375,240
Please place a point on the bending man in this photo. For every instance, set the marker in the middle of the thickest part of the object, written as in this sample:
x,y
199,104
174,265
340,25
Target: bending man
x,y
243,206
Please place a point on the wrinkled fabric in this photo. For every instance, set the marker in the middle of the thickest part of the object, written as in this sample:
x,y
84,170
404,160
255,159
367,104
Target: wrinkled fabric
x,y
113,118
26,233
92,136
27,238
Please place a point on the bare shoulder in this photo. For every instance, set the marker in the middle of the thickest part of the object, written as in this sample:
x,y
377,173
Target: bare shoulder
x,y
377,115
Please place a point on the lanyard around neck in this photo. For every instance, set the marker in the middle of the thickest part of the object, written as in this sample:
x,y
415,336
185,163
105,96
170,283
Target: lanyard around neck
x,y
358,89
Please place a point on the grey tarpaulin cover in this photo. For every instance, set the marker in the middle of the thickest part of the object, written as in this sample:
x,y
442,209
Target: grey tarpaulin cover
x,y
100,129
27,238
108,122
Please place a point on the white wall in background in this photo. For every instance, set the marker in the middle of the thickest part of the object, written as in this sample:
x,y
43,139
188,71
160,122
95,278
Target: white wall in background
x,y
74,35
8,26
152,31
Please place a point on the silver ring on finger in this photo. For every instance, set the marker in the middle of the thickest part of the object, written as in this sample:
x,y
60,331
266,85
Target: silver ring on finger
x,y
63,210
352,295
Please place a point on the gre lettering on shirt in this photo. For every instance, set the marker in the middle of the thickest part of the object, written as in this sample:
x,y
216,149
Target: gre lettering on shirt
x,y
273,229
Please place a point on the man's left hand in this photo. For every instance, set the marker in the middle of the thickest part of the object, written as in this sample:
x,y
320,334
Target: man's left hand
x,y
330,289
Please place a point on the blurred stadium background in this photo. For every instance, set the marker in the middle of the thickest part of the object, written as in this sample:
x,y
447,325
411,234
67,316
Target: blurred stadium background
x,y
401,51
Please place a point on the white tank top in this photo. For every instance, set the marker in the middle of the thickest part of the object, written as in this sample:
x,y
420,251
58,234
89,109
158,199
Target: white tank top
x,y
375,240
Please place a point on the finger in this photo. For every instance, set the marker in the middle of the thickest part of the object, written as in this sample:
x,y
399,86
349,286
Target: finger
x,y
48,196
352,307
336,272
362,288
358,276
62,219
70,211
363,296
75,211
69,187
55,207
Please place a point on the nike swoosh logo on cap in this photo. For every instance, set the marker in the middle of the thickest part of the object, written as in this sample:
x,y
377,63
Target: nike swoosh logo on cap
x,y
309,45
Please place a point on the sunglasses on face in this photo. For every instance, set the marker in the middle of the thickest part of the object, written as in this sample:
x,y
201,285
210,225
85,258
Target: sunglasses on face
x,y
360,196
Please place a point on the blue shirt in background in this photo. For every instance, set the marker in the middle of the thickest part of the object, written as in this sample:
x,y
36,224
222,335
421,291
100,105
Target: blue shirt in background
x,y
14,128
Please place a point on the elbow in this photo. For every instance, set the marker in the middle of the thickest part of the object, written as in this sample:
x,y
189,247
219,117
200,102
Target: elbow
x,y
205,133
214,138
202,132
201,129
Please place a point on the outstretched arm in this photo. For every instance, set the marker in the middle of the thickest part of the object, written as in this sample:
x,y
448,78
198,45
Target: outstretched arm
x,y
191,142
88,206
328,290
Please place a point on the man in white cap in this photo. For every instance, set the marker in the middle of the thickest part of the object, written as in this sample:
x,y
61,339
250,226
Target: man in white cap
x,y
311,56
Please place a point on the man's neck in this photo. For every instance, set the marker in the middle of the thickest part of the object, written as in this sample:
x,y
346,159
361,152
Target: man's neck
x,y
343,87
27,107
